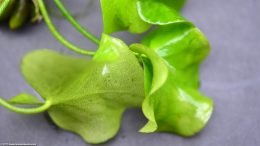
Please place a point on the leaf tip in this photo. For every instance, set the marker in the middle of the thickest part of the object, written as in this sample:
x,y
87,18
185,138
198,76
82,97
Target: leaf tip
x,y
149,127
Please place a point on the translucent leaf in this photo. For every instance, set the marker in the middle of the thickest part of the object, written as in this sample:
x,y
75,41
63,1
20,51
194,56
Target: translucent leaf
x,y
49,72
88,97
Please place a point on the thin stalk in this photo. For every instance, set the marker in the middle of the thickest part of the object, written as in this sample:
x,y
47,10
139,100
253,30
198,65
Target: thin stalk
x,y
58,36
20,110
3,6
74,22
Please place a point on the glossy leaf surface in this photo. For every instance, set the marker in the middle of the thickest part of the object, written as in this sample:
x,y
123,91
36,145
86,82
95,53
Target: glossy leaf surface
x,y
160,12
172,107
183,47
88,97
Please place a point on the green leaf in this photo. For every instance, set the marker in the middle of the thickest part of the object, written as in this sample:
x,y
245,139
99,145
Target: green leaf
x,y
150,80
24,98
121,15
160,12
49,72
176,4
158,65
88,97
172,107
183,47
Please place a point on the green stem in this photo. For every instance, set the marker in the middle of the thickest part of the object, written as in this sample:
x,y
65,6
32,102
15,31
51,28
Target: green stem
x,y
36,110
3,6
80,28
57,34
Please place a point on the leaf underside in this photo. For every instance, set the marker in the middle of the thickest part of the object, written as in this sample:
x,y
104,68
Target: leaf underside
x,y
88,96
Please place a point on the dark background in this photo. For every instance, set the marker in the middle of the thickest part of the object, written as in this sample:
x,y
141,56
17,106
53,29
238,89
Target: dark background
x,y
230,76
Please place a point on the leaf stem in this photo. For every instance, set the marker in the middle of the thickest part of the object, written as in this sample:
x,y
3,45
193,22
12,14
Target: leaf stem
x,y
3,6
20,110
57,34
72,20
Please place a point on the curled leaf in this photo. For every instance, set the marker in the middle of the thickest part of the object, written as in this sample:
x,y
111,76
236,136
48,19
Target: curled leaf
x,y
172,107
183,47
